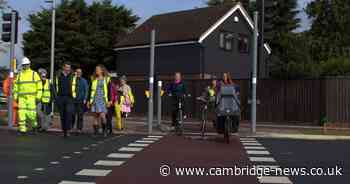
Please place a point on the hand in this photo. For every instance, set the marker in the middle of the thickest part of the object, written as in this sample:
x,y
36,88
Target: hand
x,y
88,105
109,104
84,102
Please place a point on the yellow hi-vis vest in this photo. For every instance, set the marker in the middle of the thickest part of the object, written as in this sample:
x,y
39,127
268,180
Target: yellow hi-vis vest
x,y
28,84
94,87
74,86
46,92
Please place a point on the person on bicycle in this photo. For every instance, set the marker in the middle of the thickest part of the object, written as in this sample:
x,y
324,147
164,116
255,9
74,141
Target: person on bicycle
x,y
226,80
176,90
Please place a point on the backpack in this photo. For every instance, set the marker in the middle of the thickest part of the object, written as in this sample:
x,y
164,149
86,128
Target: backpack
x,y
228,103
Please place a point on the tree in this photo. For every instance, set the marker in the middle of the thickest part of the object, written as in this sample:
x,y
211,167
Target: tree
x,y
85,34
221,2
330,28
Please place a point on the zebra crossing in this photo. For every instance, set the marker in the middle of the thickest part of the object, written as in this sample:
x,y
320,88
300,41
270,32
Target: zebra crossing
x,y
115,159
262,158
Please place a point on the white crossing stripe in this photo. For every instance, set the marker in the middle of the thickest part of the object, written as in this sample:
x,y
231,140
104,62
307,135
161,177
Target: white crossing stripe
x,y
120,155
39,169
250,152
275,180
93,145
93,172
262,159
155,136
145,141
150,139
86,148
75,182
66,157
138,145
77,152
132,149
268,166
54,163
109,163
251,144
22,177
254,148
247,139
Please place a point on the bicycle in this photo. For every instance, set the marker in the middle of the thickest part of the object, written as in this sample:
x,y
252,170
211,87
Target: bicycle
x,y
180,100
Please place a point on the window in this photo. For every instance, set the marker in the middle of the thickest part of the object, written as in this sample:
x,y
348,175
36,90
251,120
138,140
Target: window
x,y
226,41
243,43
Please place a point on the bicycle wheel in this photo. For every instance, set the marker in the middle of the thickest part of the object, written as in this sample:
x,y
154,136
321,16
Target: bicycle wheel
x,y
204,122
179,126
227,131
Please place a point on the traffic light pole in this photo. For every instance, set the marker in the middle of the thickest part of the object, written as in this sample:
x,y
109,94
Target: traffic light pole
x,y
52,65
151,83
254,73
12,61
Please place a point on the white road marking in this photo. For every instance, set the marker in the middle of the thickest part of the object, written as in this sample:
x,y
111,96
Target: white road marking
x,y
77,152
109,163
22,177
131,149
93,172
120,155
138,145
251,144
262,159
247,139
66,157
145,141
39,169
86,148
250,152
254,148
155,136
93,145
275,180
150,139
55,163
75,182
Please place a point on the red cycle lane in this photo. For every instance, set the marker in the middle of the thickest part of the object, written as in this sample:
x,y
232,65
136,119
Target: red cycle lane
x,y
181,152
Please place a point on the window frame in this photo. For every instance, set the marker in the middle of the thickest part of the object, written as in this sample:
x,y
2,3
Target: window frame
x,y
223,43
241,37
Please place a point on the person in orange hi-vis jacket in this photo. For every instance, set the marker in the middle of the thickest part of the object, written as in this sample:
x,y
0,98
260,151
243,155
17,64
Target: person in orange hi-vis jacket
x,y
6,89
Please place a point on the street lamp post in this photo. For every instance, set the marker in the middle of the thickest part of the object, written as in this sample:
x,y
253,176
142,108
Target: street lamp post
x,y
53,30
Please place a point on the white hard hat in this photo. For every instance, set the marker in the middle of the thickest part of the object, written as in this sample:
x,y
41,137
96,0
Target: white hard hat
x,y
25,61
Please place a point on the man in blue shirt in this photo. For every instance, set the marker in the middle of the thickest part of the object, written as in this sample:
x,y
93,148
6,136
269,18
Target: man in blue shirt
x,y
81,100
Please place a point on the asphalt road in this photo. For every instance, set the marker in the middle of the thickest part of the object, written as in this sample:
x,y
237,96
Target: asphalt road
x,y
49,158
312,154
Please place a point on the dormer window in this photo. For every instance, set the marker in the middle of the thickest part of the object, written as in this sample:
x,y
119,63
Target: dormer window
x,y
226,41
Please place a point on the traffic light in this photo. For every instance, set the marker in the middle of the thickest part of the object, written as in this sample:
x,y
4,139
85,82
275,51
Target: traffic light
x,y
7,26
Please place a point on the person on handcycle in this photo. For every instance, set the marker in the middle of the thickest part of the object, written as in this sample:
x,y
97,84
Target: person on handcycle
x,y
221,119
177,91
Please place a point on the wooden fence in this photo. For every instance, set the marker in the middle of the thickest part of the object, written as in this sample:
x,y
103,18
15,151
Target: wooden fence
x,y
297,101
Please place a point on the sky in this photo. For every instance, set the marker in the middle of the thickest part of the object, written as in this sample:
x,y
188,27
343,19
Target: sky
x,y
142,8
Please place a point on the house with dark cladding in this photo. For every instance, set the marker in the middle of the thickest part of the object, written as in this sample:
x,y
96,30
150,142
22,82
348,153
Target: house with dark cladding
x,y
199,43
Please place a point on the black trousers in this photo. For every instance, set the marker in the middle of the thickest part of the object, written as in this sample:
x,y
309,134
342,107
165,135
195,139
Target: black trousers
x,y
78,116
66,108
109,118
